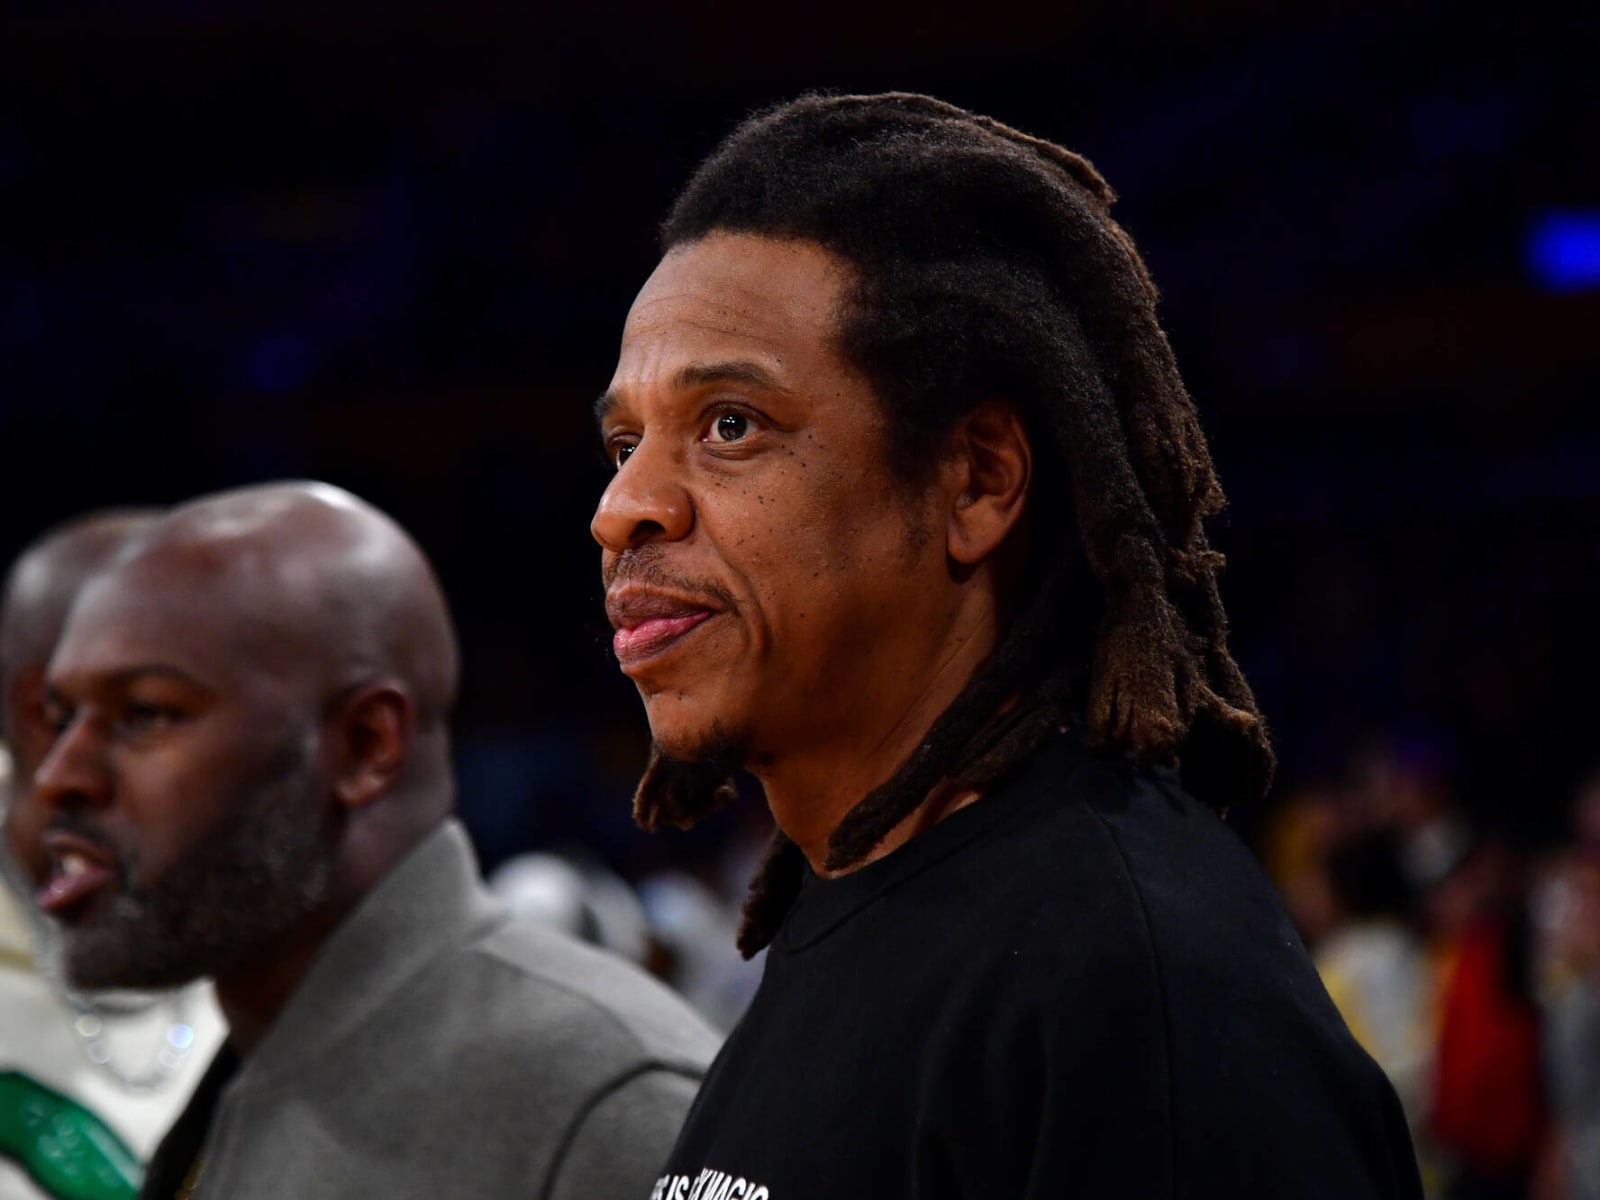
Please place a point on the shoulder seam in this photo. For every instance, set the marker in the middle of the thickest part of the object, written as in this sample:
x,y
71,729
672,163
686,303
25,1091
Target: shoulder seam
x,y
600,1095
1161,993
590,1002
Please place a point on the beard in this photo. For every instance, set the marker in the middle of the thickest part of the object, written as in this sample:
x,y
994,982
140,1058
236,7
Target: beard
x,y
716,750
248,880
685,790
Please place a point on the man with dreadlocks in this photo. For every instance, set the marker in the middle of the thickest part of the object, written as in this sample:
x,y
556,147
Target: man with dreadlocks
x,y
907,522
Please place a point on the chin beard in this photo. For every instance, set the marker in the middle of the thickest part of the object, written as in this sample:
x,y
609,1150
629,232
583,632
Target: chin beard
x,y
246,883
684,790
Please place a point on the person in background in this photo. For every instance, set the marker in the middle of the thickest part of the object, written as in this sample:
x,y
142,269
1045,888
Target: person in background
x,y
1294,846
1490,1110
88,1081
1378,972
908,521
1375,965
1568,923
1429,962
577,895
251,783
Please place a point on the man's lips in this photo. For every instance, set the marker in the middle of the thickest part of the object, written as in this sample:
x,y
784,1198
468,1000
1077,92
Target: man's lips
x,y
78,868
647,622
649,638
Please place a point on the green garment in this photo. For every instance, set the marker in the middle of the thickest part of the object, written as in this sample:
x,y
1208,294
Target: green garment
x,y
70,1153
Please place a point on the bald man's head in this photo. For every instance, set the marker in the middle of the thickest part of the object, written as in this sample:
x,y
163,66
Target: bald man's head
x,y
307,577
253,705
38,591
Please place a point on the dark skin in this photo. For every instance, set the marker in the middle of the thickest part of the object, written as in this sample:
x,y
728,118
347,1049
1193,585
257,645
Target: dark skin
x,y
288,623
829,611
40,590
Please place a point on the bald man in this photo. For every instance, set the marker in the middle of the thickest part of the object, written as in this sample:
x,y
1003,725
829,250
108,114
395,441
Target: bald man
x,y
88,1084
251,782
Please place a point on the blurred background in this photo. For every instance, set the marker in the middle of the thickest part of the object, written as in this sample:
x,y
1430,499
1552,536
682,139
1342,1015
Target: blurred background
x,y
393,248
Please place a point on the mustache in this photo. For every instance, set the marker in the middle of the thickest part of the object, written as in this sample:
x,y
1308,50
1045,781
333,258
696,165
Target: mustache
x,y
66,822
645,567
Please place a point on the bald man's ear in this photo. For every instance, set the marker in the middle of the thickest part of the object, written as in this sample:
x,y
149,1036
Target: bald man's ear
x,y
988,466
369,740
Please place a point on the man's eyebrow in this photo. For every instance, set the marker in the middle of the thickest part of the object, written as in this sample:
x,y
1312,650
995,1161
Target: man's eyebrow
x,y
160,670
605,406
127,675
732,370
699,374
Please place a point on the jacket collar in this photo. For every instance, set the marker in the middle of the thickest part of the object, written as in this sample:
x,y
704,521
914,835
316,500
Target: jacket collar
x,y
431,902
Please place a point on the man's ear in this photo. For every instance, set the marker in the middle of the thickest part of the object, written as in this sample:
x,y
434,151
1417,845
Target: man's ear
x,y
991,465
369,740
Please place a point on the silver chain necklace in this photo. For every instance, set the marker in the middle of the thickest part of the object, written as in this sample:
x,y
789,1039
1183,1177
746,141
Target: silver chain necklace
x,y
177,1041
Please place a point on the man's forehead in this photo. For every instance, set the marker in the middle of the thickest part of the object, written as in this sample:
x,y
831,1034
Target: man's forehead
x,y
668,331
128,617
731,299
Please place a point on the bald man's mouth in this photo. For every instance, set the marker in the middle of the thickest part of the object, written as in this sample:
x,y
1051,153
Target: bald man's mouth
x,y
79,868
649,622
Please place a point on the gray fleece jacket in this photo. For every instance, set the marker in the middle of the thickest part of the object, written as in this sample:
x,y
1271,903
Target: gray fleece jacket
x,y
440,1048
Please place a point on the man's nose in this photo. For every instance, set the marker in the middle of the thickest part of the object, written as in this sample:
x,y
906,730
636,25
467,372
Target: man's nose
x,y
74,772
646,501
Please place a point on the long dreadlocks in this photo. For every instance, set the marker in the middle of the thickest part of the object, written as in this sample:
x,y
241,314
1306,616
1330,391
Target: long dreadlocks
x,y
987,263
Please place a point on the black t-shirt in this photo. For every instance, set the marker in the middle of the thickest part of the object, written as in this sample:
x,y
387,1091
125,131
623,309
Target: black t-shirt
x,y
1080,985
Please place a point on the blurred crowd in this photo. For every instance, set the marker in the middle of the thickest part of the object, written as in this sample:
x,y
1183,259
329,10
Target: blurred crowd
x,y
679,924
1466,963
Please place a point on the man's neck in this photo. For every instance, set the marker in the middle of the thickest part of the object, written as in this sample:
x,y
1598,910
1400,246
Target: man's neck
x,y
254,993
809,800
811,791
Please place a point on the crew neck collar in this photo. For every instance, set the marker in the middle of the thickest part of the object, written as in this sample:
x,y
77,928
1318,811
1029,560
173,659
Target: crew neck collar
x,y
825,904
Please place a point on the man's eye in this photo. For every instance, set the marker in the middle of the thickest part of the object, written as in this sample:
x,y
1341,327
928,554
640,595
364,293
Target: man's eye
x,y
621,454
149,718
729,427
56,720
